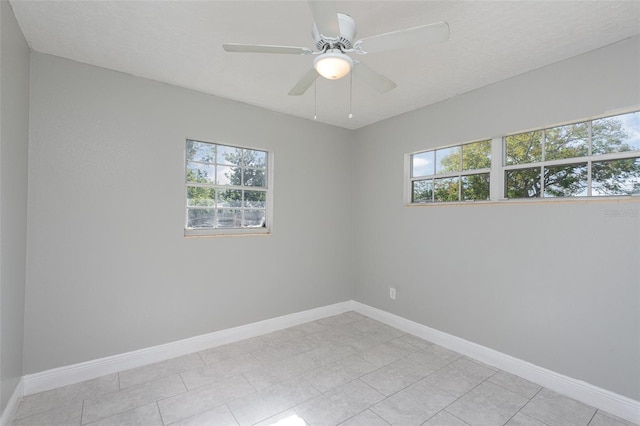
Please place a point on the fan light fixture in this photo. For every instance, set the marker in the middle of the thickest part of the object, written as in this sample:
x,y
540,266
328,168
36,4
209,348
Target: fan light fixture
x,y
333,64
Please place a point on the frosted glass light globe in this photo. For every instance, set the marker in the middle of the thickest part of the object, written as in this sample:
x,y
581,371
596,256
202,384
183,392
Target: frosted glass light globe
x,y
333,64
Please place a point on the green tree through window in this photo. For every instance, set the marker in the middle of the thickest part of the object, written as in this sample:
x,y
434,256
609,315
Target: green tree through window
x,y
606,136
591,158
226,186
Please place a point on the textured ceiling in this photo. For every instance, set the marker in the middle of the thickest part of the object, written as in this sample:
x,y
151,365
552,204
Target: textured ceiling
x,y
180,42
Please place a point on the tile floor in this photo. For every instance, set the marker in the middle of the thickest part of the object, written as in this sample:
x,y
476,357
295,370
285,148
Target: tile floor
x,y
345,370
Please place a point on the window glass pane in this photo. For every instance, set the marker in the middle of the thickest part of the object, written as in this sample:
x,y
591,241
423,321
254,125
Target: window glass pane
x,y
476,155
212,172
616,134
422,191
228,175
256,199
567,142
617,177
523,183
254,177
200,218
230,198
256,159
446,189
200,173
200,197
523,148
568,180
448,159
200,151
254,218
229,155
475,187
422,164
229,218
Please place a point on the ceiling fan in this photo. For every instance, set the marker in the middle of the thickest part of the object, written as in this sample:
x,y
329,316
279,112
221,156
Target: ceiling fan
x,y
333,34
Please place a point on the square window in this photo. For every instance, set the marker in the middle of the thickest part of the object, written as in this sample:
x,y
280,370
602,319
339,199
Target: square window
x,y
216,199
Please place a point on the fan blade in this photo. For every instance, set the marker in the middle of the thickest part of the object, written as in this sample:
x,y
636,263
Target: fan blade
x,y
325,15
378,81
261,48
411,37
305,82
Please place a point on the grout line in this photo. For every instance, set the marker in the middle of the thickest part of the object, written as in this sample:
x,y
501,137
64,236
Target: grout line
x,y
232,414
160,412
451,414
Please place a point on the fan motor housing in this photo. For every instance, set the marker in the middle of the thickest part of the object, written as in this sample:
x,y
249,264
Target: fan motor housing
x,y
347,27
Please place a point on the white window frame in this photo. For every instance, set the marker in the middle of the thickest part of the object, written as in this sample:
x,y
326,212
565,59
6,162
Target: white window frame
x,y
586,160
459,174
218,232
498,169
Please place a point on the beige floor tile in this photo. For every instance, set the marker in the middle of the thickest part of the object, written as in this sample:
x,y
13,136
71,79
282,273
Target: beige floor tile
x,y
558,410
147,415
339,404
158,370
187,404
127,399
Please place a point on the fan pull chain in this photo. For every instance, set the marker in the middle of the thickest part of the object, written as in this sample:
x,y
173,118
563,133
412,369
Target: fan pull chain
x,y
315,100
350,93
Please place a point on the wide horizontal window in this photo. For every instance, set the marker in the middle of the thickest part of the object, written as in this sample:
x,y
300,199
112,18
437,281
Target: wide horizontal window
x,y
227,189
592,158
456,173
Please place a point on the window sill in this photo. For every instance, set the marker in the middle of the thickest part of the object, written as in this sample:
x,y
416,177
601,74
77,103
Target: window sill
x,y
548,200
227,232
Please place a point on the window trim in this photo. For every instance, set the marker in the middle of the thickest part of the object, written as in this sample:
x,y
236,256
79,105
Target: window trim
x,y
230,232
498,169
409,179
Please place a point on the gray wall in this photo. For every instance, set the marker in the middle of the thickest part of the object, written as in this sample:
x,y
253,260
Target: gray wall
x,y
14,136
555,284
109,270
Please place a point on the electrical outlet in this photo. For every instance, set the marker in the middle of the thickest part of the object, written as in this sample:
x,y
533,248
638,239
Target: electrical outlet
x,y
392,293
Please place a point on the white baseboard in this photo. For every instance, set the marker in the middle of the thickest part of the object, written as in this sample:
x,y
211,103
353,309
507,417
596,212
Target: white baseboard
x,y
608,401
71,374
12,405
